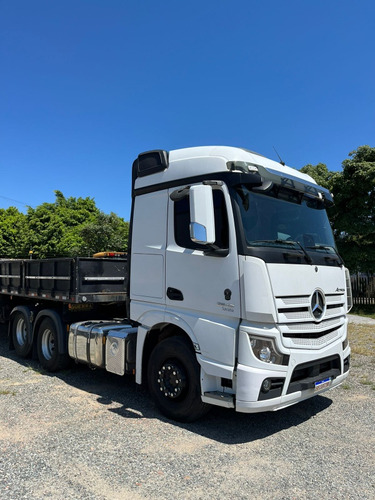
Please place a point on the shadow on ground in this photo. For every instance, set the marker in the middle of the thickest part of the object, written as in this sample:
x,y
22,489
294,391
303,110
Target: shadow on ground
x,y
222,425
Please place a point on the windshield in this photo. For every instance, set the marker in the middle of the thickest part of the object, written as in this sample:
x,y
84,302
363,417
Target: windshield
x,y
282,218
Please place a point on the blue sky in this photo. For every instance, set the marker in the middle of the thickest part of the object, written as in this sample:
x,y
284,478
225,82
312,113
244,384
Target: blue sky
x,y
86,85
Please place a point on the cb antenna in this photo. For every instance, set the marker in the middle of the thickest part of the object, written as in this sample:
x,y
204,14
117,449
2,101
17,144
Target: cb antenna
x,y
281,161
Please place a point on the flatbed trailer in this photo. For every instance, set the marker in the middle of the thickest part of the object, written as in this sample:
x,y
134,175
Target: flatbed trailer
x,y
72,280
40,298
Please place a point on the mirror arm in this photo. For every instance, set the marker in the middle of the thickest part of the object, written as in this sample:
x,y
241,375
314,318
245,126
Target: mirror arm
x,y
179,194
215,251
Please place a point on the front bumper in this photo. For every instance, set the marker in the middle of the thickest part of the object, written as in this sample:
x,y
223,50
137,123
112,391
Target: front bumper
x,y
249,383
306,373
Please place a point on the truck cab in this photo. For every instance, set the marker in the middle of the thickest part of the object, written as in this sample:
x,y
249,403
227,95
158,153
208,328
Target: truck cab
x,y
236,286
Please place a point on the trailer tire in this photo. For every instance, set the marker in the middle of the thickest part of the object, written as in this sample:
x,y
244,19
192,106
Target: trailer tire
x,y
21,334
48,347
174,380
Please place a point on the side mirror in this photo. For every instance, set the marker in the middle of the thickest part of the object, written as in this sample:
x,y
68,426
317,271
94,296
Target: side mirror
x,y
202,216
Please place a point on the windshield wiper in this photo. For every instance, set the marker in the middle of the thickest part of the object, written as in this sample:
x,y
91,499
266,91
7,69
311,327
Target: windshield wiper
x,y
288,242
291,242
328,247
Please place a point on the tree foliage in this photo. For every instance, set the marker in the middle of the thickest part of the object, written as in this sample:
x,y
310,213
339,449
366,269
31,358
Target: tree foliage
x,y
54,227
106,232
13,233
68,227
353,215
354,212
320,174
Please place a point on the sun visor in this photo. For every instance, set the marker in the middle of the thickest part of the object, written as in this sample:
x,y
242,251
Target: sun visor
x,y
293,182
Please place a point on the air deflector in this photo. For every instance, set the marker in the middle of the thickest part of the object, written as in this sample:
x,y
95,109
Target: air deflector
x,y
150,162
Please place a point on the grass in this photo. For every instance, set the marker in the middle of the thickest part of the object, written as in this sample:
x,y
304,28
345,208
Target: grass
x,y
362,343
363,310
7,393
35,369
362,339
365,381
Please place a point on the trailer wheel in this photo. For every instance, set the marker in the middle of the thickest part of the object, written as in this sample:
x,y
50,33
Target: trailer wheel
x,y
174,380
48,347
21,336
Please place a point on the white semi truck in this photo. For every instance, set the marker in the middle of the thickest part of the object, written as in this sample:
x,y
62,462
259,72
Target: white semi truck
x,y
233,293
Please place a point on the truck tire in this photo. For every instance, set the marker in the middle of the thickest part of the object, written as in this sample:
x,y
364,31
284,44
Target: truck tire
x,y
174,380
21,334
48,347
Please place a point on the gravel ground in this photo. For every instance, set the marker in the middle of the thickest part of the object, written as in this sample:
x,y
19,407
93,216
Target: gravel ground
x,y
360,320
85,434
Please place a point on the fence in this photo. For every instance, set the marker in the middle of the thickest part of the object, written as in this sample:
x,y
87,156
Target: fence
x,y
363,288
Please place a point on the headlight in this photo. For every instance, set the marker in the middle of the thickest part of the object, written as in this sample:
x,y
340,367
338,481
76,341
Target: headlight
x,y
265,350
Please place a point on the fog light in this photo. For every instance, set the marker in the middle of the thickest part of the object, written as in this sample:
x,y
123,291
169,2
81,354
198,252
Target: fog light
x,y
266,386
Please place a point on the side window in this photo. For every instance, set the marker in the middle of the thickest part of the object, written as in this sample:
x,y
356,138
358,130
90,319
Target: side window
x,y
182,220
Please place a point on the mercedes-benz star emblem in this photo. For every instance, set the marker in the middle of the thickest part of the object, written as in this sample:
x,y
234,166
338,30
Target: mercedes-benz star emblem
x,y
317,304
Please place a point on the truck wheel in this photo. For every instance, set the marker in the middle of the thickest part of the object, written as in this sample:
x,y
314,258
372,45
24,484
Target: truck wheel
x,y
21,336
174,380
48,347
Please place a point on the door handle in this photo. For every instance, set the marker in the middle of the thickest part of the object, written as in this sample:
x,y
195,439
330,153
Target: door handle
x,y
174,294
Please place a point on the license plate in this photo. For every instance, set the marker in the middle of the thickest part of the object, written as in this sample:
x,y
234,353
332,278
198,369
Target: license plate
x,y
322,384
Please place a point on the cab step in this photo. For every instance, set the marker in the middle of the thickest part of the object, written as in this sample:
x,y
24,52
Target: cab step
x,y
219,399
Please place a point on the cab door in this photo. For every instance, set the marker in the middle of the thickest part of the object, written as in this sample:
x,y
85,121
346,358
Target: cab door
x,y
202,281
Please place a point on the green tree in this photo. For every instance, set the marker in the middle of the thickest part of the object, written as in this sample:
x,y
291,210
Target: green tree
x,y
106,232
320,174
54,228
353,215
13,233
66,228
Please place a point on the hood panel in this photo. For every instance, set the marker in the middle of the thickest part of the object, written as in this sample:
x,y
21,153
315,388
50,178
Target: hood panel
x,y
304,279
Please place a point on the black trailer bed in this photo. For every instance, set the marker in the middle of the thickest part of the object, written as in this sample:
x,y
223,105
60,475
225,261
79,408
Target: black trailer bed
x,y
72,280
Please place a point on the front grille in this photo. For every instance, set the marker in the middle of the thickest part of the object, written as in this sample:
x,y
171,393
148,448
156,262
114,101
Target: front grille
x,y
314,342
309,326
311,334
298,326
